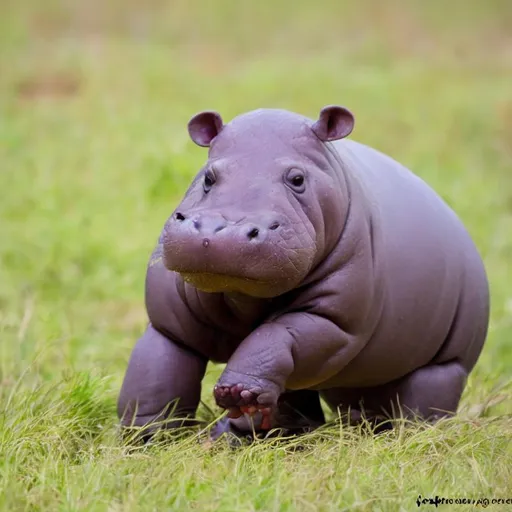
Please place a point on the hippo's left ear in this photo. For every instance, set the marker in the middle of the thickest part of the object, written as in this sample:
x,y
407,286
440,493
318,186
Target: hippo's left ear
x,y
334,123
204,127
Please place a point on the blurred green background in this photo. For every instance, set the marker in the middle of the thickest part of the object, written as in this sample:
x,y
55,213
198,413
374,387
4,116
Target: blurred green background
x,y
94,152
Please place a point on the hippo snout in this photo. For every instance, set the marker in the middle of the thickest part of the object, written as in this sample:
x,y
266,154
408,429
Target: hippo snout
x,y
209,241
210,227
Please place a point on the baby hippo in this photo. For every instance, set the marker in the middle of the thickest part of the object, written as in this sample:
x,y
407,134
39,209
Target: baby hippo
x,y
311,265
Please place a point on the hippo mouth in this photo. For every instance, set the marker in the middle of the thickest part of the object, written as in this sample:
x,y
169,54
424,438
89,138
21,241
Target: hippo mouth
x,y
224,283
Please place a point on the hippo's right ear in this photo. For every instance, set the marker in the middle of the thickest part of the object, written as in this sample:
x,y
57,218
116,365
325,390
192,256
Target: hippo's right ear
x,y
204,127
334,123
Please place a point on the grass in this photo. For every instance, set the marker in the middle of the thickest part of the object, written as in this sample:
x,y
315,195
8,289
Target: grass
x,y
94,155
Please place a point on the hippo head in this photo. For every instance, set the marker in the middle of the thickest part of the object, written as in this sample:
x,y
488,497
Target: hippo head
x,y
266,208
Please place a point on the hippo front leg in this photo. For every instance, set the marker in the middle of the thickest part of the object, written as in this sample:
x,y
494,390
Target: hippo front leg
x,y
256,374
162,378
295,351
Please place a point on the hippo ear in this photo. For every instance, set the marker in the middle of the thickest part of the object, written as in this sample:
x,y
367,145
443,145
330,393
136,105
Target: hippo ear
x,y
204,127
334,123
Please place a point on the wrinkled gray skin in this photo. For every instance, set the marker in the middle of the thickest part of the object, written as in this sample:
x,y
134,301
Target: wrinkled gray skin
x,y
309,264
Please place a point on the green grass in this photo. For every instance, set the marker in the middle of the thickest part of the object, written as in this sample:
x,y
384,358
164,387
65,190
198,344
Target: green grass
x,y
94,155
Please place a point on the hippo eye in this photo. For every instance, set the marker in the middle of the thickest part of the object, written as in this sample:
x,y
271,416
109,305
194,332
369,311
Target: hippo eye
x,y
295,180
209,180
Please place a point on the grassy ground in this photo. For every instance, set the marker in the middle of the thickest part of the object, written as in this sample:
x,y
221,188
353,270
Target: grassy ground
x,y
94,154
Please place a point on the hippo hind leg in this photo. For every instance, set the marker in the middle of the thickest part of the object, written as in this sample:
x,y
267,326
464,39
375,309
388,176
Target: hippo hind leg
x,y
429,393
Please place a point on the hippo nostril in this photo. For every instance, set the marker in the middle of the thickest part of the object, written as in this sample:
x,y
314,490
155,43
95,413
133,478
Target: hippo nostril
x,y
179,216
274,225
197,224
253,233
219,228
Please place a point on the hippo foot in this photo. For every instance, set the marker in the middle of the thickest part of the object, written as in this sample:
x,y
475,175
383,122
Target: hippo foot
x,y
239,433
240,399
235,437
